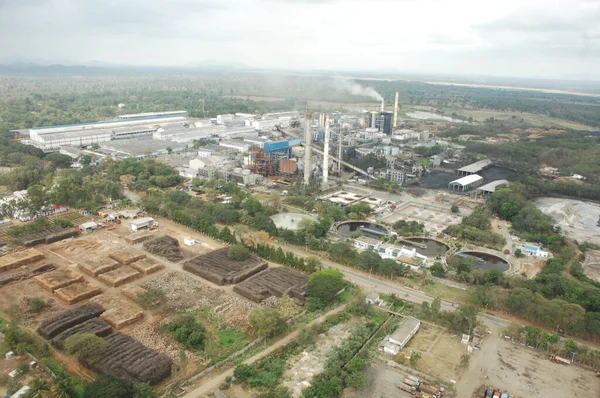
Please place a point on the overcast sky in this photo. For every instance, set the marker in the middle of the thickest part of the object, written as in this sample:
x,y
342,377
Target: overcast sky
x,y
549,39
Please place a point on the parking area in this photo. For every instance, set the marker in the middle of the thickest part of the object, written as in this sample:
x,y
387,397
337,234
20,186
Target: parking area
x,y
524,372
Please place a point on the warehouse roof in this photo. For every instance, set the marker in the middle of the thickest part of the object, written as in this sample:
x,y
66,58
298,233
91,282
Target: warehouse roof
x,y
466,180
475,167
491,186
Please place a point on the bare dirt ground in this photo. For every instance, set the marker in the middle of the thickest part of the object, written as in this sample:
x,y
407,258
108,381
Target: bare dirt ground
x,y
592,264
578,219
440,352
382,382
524,372
302,368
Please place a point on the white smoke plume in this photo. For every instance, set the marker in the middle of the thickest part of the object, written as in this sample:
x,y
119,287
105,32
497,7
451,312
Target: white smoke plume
x,y
356,89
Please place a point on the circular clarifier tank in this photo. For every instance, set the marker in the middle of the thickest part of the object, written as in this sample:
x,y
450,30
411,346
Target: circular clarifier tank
x,y
486,261
291,221
427,247
368,229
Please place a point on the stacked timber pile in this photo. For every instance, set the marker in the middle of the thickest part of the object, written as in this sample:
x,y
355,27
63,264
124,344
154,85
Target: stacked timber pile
x,y
76,292
46,236
94,326
128,359
25,272
95,266
166,247
15,260
57,279
51,327
139,237
120,276
147,266
274,282
218,268
126,256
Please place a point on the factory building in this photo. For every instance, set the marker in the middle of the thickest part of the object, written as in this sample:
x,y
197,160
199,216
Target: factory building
x,y
52,138
384,122
393,175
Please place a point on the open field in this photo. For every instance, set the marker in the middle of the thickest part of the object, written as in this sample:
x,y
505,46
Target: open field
x,y
301,368
578,219
434,218
440,352
525,373
532,118
382,382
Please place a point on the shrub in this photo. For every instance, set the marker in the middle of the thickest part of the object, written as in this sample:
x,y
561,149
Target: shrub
x,y
152,299
188,332
37,304
238,253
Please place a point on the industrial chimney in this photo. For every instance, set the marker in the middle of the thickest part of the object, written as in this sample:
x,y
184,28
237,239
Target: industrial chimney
x,y
326,152
382,105
340,154
395,112
307,147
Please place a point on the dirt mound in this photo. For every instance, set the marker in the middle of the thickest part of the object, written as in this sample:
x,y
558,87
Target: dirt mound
x,y
166,247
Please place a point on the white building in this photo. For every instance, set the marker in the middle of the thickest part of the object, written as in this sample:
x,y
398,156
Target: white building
x,y
365,243
533,251
271,124
209,162
239,146
393,343
141,223
223,119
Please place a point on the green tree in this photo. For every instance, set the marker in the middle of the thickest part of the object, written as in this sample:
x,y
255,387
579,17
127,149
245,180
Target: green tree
x,y
266,321
454,209
63,387
36,304
438,269
88,345
367,260
38,388
107,386
144,390
238,253
414,358
436,306
324,285
356,380
264,223
153,299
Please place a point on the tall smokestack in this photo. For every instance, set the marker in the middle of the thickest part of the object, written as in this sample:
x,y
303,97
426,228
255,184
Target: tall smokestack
x,y
307,147
326,153
382,105
340,142
395,112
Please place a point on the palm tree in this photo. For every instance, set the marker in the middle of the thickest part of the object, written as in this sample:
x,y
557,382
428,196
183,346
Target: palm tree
x,y
63,388
38,388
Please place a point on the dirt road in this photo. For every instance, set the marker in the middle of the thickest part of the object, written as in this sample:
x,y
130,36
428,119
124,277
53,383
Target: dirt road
x,y
214,383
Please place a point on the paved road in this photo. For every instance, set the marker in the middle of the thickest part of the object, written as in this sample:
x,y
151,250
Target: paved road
x,y
381,285
214,383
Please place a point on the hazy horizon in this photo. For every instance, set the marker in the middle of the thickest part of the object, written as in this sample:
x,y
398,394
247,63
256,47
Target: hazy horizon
x,y
525,39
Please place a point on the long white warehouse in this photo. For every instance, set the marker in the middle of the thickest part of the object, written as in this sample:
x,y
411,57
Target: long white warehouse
x,y
466,183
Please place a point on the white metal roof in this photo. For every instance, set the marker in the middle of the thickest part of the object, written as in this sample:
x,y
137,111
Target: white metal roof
x,y
466,180
491,186
475,167
141,221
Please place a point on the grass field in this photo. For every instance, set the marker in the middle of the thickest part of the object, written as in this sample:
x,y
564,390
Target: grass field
x,y
440,290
